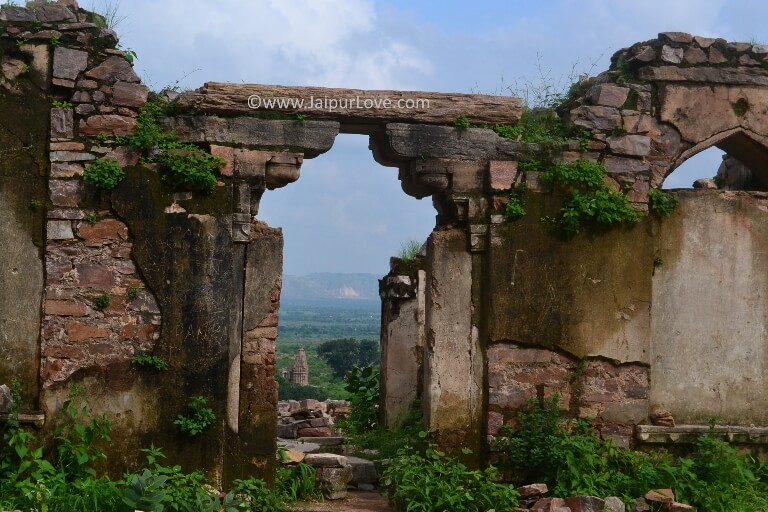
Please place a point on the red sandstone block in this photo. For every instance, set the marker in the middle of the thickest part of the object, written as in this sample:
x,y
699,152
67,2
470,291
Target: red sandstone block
x,y
95,276
65,308
141,332
107,229
78,331
110,125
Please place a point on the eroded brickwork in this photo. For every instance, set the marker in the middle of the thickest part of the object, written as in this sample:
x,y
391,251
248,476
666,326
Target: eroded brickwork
x,y
615,395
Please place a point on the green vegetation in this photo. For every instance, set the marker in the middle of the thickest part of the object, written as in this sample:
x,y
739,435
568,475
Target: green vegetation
x,y
201,418
133,292
363,386
589,201
151,361
101,301
55,41
344,354
322,383
658,261
103,174
662,203
183,167
91,218
741,107
462,122
409,250
66,480
568,456
515,208
35,204
432,481
61,104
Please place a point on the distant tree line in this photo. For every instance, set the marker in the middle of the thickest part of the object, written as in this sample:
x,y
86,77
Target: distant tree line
x,y
344,354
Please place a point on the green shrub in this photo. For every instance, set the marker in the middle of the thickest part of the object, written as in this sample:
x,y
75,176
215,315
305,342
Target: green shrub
x,y
103,174
434,482
363,384
588,201
514,210
201,418
568,456
101,301
462,122
296,482
151,361
662,203
189,168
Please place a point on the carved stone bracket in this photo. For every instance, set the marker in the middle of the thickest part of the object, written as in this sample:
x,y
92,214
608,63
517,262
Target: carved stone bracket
x,y
255,171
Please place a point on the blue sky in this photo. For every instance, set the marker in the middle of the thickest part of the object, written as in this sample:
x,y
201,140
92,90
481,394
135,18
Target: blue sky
x,y
347,213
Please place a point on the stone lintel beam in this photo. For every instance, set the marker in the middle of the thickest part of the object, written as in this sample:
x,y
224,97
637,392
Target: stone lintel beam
x,y
312,138
353,106
690,434
409,141
729,76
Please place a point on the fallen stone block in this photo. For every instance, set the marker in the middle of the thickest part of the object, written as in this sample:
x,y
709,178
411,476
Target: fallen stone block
x,y
333,481
363,471
326,460
533,490
585,504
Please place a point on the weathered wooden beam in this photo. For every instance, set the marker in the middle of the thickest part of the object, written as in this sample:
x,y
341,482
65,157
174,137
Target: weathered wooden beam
x,y
351,106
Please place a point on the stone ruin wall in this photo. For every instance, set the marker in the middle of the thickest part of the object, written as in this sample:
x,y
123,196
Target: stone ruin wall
x,y
496,313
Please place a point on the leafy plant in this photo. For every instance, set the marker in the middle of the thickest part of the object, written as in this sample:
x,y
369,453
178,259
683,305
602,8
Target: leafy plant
x,y
55,41
201,418
151,361
514,210
133,292
435,482
409,250
363,384
462,122
658,261
662,203
189,168
589,200
91,218
296,482
103,174
101,301
61,104
35,204
146,492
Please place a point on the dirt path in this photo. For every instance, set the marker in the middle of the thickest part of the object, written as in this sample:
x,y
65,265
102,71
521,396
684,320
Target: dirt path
x,y
358,501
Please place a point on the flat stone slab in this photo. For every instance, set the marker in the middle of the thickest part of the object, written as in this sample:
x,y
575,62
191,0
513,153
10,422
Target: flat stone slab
x,y
356,501
322,441
351,106
299,447
687,434
363,471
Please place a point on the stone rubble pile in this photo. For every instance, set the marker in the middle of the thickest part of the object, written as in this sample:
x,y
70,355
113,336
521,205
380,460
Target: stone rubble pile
x,y
533,499
309,418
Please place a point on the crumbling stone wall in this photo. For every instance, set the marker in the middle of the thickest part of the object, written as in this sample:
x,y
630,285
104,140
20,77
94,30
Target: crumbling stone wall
x,y
503,311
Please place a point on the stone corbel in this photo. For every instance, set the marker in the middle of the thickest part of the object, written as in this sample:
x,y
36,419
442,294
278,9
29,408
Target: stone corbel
x,y
255,171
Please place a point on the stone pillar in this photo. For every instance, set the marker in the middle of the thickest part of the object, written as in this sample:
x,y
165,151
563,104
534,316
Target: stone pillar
x,y
252,407
453,360
402,338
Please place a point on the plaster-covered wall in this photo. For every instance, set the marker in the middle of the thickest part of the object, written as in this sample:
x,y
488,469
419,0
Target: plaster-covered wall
x,y
709,349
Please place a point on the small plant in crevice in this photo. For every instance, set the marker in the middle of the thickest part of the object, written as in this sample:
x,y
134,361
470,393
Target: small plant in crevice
x,y
462,122
662,203
35,204
61,104
514,210
151,361
658,261
55,41
588,201
741,107
133,292
101,301
103,174
409,250
200,419
91,218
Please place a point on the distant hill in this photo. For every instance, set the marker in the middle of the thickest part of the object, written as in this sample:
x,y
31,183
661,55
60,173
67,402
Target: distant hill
x,y
324,286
